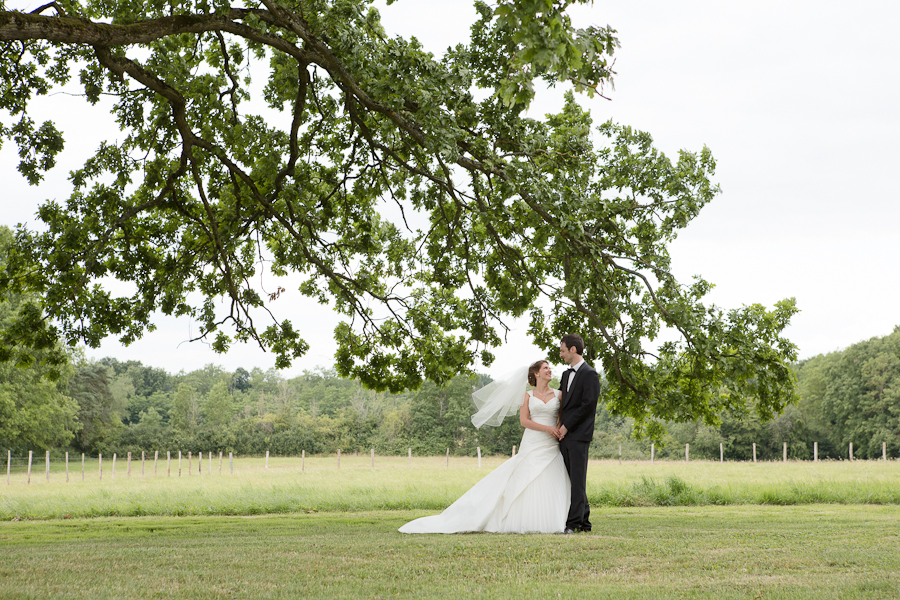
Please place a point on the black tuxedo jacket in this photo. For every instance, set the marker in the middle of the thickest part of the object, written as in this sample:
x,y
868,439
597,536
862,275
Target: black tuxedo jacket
x,y
578,405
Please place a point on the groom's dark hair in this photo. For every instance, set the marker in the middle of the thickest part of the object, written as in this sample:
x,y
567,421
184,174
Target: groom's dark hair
x,y
573,339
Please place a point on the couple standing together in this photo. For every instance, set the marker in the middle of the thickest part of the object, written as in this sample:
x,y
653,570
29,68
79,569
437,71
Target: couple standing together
x,y
542,488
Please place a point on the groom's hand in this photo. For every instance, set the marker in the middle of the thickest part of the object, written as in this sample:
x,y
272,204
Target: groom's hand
x,y
562,431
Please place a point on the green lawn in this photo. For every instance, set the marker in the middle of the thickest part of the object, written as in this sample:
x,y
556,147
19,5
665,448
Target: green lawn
x,y
663,530
811,551
428,484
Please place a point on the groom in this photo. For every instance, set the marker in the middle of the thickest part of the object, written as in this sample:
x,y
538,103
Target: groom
x,y
580,387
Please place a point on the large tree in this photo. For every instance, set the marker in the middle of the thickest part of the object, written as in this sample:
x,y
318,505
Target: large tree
x,y
498,215
99,409
36,412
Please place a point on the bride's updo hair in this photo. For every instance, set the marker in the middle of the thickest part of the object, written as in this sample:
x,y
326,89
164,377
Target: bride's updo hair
x,y
533,371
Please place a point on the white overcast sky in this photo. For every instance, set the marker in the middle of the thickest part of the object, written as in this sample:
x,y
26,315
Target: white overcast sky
x,y
798,101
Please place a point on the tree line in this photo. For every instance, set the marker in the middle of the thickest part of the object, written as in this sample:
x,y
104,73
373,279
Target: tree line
x,y
110,405
847,396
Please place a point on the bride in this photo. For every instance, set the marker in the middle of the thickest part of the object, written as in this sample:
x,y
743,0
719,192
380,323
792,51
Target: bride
x,y
530,492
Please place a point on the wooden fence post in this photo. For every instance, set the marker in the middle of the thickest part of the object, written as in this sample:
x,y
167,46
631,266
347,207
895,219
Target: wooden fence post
x,y
67,467
267,460
30,452
155,461
220,462
884,451
687,452
82,466
303,460
754,451
143,457
784,452
199,463
721,453
373,458
479,456
114,466
168,463
8,464
100,465
47,465
514,450
815,451
128,465
851,450
190,462
231,462
620,452
339,458
409,457
652,452
448,457
179,463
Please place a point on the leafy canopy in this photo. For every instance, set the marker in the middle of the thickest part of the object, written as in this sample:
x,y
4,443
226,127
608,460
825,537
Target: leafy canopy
x,y
499,215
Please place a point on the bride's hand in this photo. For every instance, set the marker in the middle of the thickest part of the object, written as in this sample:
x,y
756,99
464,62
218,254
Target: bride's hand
x,y
554,431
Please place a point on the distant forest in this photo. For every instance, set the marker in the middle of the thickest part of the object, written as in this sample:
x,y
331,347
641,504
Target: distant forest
x,y
119,406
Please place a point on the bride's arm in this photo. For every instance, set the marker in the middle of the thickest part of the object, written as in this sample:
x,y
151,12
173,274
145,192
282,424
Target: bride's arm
x,y
527,423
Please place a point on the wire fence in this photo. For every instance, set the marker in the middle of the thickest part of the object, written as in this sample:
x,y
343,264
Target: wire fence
x,y
80,467
74,466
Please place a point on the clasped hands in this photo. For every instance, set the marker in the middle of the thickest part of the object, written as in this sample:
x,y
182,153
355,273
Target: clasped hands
x,y
558,432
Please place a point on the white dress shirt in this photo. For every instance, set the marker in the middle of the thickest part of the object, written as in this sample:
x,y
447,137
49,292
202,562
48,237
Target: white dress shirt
x,y
572,376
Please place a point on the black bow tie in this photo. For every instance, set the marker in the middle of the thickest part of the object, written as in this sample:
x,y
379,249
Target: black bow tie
x,y
572,369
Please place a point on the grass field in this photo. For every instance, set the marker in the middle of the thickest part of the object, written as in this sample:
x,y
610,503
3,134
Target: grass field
x,y
663,530
427,484
709,552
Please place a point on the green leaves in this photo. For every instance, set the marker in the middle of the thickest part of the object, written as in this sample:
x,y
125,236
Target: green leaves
x,y
38,148
426,219
535,39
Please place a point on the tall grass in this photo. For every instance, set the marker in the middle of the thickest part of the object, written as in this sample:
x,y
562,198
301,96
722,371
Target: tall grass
x,y
714,483
428,484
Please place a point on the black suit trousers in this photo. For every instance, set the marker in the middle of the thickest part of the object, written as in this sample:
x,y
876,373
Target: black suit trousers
x,y
575,456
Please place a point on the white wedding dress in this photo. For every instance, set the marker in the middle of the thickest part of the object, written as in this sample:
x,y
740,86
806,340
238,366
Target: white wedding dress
x,y
529,493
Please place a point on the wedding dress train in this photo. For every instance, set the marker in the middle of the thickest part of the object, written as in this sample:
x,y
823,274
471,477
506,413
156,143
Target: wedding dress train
x,y
529,493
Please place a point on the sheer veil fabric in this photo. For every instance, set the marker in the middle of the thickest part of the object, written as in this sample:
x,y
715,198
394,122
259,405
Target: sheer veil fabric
x,y
500,398
530,492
